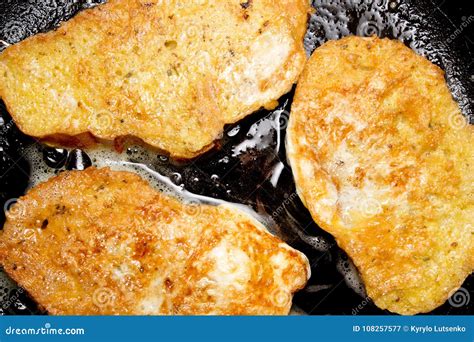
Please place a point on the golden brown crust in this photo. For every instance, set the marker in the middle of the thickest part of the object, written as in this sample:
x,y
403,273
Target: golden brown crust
x,y
104,242
383,159
170,74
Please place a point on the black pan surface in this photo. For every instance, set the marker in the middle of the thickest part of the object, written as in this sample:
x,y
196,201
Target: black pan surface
x,y
241,169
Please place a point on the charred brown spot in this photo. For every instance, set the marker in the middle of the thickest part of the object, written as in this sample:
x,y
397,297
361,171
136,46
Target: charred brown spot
x,y
143,245
45,223
60,209
171,44
169,283
141,249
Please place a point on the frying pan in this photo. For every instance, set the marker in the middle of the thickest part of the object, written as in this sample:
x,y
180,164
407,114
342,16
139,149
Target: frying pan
x,y
249,166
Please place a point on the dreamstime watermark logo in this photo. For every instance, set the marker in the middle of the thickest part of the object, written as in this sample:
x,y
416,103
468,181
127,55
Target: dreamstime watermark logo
x,y
283,120
280,298
368,28
192,207
192,31
288,199
370,207
13,298
103,297
47,329
102,119
366,207
466,21
14,208
5,127
459,298
366,301
457,121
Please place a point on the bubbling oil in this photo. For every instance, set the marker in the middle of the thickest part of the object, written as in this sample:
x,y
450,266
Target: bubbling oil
x,y
105,157
249,167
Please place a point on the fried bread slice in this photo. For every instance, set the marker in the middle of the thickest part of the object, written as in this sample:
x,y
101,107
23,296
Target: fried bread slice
x,y
103,242
383,160
171,73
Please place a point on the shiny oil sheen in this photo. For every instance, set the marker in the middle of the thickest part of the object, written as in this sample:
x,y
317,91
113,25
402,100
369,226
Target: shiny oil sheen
x,y
249,166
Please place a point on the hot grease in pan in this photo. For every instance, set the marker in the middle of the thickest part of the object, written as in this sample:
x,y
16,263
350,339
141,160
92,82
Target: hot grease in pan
x,y
245,176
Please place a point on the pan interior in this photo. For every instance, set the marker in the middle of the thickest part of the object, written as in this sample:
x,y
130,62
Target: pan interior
x,y
250,166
